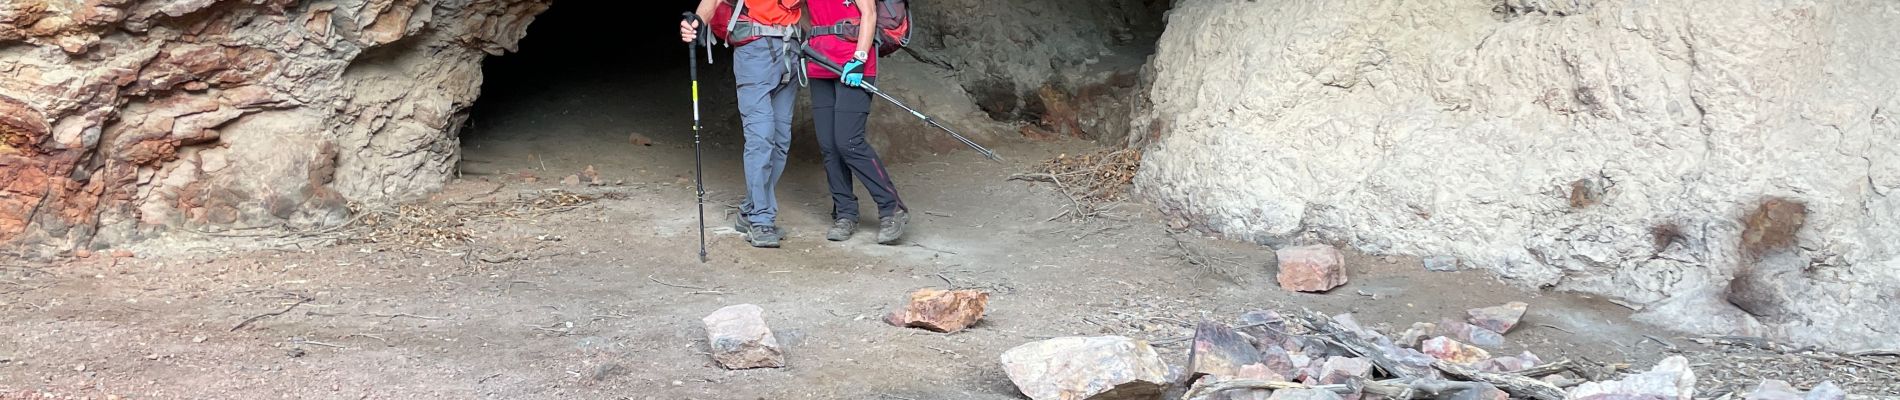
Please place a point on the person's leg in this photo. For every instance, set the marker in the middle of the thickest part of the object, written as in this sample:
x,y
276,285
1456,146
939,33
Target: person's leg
x,y
756,74
844,203
784,102
852,112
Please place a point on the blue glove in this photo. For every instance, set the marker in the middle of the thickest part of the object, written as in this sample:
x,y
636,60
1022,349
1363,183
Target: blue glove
x,y
853,75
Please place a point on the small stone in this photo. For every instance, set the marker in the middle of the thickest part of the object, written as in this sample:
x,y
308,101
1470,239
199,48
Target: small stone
x,y
1670,379
1315,268
1416,334
1220,351
1092,368
1773,389
82,253
740,339
571,180
638,139
79,368
1499,319
1304,394
1471,333
197,339
1277,359
941,310
1451,351
1343,369
1441,263
122,253
1826,391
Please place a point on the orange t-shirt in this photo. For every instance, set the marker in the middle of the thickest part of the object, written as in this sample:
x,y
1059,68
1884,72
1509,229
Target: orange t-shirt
x,y
773,12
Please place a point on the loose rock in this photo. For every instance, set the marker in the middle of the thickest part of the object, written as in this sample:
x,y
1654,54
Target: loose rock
x,y
1343,369
941,310
1670,379
1826,391
1093,368
1451,351
1774,389
1220,351
1499,319
1417,334
1441,263
1315,268
1471,333
740,339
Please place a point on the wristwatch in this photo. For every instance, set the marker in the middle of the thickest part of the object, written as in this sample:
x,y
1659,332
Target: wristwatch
x,y
861,56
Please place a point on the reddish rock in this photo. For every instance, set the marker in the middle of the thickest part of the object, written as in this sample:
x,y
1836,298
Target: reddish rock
x,y
1498,319
638,139
1092,368
739,338
1511,363
82,253
122,253
571,180
1220,351
1316,268
941,310
1451,351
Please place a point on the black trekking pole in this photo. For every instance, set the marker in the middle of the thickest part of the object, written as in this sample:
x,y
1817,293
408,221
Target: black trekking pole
x,y
820,58
699,174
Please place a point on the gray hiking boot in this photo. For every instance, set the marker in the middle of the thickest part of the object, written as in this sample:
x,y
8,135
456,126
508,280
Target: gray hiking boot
x,y
842,229
763,236
891,228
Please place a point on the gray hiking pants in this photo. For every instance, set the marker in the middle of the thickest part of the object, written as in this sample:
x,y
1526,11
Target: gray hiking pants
x,y
766,95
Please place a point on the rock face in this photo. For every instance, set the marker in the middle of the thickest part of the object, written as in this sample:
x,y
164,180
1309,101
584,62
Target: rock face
x,y
739,338
1093,368
123,118
942,310
1315,268
1654,152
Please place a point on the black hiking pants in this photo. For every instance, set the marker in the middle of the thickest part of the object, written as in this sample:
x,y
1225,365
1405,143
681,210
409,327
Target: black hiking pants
x,y
840,113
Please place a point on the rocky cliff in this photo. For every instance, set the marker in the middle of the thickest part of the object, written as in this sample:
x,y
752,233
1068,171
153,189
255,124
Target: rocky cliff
x,y
124,118
1729,167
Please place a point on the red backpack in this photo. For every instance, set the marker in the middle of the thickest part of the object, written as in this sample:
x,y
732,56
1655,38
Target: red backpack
x,y
893,27
724,18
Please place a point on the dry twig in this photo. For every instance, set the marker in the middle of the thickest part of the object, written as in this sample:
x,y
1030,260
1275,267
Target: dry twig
x,y
247,321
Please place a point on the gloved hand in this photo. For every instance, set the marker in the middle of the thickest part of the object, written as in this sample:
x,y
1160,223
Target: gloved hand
x,y
853,75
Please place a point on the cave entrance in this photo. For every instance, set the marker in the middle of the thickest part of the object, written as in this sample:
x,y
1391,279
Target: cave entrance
x,y
595,83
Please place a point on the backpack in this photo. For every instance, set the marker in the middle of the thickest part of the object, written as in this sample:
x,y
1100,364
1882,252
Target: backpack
x,y
893,27
731,12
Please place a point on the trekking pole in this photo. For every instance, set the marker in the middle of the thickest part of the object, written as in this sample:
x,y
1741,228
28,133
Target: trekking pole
x,y
699,174
820,58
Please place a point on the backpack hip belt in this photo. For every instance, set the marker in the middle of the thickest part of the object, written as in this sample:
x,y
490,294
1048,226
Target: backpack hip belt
x,y
743,31
844,29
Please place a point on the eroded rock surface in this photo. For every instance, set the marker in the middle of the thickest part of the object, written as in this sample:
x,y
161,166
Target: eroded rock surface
x,y
125,118
1676,156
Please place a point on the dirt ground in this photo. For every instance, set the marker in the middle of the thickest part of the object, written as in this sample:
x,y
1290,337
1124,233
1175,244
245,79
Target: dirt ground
x,y
595,292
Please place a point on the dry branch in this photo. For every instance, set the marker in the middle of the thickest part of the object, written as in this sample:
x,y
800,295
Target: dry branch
x,y
247,321
1517,386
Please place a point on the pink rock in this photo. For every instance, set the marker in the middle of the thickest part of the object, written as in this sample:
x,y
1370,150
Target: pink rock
x,y
1451,351
740,340
1499,319
1094,368
1343,369
1315,268
1220,351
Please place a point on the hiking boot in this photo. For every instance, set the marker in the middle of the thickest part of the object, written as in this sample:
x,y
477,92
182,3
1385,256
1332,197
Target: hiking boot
x,y
842,229
763,236
891,228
